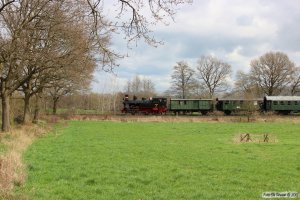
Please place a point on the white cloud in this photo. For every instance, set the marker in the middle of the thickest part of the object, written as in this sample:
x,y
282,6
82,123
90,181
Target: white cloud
x,y
235,31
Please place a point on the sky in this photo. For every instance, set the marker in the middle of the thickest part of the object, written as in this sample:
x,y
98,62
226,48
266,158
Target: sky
x,y
235,31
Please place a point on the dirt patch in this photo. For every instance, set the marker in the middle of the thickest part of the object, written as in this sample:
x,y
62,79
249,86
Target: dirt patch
x,y
254,138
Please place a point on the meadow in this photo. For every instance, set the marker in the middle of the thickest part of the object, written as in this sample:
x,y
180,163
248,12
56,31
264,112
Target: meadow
x,y
169,160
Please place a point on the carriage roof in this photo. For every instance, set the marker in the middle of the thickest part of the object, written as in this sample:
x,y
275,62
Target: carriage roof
x,y
238,99
282,98
191,99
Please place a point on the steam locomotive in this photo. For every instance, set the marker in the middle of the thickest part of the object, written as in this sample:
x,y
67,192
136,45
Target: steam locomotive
x,y
161,105
156,105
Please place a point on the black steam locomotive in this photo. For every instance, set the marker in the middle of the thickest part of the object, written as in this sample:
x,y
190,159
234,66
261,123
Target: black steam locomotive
x,y
155,105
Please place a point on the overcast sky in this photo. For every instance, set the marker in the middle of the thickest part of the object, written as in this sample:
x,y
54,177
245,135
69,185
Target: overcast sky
x,y
235,31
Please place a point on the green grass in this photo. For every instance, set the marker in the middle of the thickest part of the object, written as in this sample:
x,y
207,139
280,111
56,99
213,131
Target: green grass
x,y
115,160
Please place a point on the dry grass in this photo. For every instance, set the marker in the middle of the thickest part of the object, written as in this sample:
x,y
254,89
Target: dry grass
x,y
12,169
254,138
189,118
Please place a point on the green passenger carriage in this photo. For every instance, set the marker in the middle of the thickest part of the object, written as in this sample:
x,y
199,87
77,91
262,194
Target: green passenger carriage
x,y
282,104
191,105
236,105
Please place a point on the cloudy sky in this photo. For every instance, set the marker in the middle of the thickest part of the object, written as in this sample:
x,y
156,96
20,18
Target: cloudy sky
x,y
235,31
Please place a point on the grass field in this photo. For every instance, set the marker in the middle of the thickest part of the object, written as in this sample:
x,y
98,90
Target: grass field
x,y
129,160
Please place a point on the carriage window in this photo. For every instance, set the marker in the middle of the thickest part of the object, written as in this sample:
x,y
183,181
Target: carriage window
x,y
226,102
281,103
241,102
296,102
275,103
184,102
289,103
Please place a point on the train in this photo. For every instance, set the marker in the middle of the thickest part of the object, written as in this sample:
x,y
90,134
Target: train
x,y
163,105
155,105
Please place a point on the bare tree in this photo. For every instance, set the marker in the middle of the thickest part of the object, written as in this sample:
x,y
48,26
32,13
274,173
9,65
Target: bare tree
x,y
136,85
133,18
213,73
272,72
127,87
148,88
14,49
140,86
183,80
245,86
51,39
21,60
295,84
5,3
136,17
75,76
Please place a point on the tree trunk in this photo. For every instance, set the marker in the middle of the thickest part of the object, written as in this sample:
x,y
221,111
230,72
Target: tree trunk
x,y
5,112
270,91
26,115
36,110
55,100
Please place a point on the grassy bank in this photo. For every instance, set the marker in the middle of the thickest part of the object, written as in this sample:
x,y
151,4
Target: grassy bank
x,y
12,146
129,160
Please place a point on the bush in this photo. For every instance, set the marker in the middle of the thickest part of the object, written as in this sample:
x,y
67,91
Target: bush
x,y
18,119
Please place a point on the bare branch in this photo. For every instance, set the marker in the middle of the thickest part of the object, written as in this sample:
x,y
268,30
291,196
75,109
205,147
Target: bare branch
x,y
5,4
272,72
213,73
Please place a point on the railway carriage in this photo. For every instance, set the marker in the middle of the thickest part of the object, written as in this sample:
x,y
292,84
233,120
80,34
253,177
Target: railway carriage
x,y
236,105
281,104
158,105
191,105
